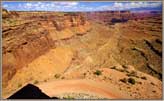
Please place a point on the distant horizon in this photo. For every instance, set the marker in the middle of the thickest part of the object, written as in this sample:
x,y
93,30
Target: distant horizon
x,y
85,11
79,6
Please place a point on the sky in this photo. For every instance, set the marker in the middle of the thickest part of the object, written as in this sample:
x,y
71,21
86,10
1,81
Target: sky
x,y
74,6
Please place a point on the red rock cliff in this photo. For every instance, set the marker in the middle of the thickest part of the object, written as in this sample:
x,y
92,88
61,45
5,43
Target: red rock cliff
x,y
23,43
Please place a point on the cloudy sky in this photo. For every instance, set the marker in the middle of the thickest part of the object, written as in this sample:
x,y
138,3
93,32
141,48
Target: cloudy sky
x,y
81,6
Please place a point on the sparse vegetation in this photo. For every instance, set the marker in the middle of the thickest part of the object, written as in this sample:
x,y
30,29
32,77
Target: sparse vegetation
x,y
133,73
19,85
113,67
124,66
139,82
131,80
134,48
63,77
57,76
121,70
152,83
124,80
68,97
128,87
97,72
144,78
105,77
36,82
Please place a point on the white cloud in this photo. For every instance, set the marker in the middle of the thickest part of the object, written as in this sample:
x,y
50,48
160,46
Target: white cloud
x,y
5,5
78,6
118,4
48,5
28,4
66,3
130,5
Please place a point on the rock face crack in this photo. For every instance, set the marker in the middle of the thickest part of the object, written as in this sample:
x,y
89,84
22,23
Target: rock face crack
x,y
154,71
153,49
141,52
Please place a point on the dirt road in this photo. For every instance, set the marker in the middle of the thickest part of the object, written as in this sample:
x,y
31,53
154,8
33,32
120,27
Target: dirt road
x,y
54,88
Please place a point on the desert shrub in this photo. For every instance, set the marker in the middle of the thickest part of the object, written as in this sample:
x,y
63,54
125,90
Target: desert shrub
x,y
57,76
139,82
63,78
144,78
19,85
68,97
105,77
121,70
128,87
133,73
36,81
98,72
113,67
131,80
134,48
124,80
152,83
84,74
124,66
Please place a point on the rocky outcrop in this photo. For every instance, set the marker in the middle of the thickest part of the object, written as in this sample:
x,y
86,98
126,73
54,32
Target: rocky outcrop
x,y
108,16
21,46
8,14
111,17
23,43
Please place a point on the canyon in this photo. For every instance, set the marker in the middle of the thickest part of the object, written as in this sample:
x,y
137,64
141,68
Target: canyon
x,y
120,49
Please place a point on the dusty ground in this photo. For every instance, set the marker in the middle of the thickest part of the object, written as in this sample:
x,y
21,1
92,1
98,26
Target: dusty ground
x,y
83,86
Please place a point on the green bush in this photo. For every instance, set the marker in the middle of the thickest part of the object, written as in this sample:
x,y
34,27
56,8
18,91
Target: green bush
x,y
98,72
131,80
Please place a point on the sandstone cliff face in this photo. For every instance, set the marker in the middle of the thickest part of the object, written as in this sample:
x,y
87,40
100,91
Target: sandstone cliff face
x,y
7,14
25,42
111,17
69,21
22,46
108,16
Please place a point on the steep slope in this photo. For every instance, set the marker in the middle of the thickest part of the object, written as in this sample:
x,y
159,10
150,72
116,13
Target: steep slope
x,y
25,42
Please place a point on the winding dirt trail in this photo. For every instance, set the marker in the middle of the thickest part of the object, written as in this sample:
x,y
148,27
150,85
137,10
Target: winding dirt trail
x,y
54,88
